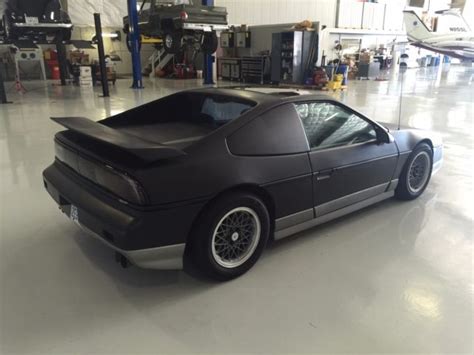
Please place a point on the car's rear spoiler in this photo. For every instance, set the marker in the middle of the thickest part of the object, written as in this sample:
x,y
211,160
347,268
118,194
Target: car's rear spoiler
x,y
143,149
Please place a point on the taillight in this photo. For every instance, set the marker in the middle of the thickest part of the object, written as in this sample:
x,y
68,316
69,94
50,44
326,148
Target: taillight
x,y
125,187
135,195
183,15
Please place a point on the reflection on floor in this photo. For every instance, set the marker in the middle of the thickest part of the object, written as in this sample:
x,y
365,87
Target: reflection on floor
x,y
395,277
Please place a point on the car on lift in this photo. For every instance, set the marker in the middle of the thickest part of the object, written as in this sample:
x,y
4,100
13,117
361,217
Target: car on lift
x,y
215,173
180,23
35,20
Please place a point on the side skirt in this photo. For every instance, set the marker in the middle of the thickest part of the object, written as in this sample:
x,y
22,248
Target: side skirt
x,y
332,215
349,200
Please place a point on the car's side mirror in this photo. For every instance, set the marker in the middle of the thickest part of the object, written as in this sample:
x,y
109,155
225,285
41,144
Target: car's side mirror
x,y
383,136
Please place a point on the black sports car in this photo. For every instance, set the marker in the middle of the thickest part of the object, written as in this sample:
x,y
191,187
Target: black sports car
x,y
217,172
35,20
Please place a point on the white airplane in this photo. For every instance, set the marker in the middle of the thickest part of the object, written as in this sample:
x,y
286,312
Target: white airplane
x,y
455,39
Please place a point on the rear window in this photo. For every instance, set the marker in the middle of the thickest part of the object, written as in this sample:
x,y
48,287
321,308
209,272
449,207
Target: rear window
x,y
203,109
223,111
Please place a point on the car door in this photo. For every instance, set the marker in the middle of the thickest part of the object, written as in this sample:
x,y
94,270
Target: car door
x,y
349,162
273,151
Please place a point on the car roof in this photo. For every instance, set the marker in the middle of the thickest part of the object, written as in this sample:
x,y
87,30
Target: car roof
x,y
275,90
262,94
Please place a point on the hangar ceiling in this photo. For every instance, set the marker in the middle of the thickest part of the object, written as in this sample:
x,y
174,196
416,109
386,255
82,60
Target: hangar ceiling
x,y
112,11
81,11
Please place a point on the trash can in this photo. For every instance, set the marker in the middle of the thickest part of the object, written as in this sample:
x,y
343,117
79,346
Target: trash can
x,y
55,73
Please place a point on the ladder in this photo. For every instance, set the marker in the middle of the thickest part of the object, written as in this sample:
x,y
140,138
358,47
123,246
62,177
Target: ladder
x,y
159,59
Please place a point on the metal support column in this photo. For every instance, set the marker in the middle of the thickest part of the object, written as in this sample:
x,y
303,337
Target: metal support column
x,y
3,94
62,61
100,48
134,36
208,58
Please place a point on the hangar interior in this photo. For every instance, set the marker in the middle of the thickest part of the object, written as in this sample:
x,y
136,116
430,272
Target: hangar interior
x,y
394,277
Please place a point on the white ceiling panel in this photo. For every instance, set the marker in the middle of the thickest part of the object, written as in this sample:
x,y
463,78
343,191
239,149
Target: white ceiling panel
x,y
112,11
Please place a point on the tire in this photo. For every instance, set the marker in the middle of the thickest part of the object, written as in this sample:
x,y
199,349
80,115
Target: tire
x,y
64,35
235,221
209,44
172,42
416,173
67,35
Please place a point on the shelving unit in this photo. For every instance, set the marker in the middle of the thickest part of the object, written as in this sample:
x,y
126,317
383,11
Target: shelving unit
x,y
290,53
253,69
287,56
230,68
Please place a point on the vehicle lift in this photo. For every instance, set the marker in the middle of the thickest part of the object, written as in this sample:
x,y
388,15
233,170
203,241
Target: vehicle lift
x,y
135,44
208,58
62,57
135,47
28,44
3,94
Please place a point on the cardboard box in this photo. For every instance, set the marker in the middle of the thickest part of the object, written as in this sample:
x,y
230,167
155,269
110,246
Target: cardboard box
x,y
85,72
78,57
86,82
366,58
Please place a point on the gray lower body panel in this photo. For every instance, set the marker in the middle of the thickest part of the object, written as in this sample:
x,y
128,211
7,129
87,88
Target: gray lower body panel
x,y
351,199
437,159
437,166
169,257
332,215
300,221
293,219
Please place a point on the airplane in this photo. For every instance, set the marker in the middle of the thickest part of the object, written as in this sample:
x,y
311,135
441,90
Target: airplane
x,y
456,40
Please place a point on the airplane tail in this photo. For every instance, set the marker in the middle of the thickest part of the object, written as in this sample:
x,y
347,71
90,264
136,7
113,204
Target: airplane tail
x,y
452,21
416,29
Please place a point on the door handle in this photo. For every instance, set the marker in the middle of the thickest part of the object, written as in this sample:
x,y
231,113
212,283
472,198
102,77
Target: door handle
x,y
324,174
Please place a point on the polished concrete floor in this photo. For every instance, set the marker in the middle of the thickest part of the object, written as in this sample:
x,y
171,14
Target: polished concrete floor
x,y
394,278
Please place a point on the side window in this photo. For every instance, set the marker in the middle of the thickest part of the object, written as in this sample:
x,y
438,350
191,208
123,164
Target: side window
x,y
328,125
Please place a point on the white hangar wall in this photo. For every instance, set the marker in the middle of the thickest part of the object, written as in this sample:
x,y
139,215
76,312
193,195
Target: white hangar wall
x,y
266,12
252,12
81,11
112,12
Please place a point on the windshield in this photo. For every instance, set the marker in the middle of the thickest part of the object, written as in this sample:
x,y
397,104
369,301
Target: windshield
x,y
144,5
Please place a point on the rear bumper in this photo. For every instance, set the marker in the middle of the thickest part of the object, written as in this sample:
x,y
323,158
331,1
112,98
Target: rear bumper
x,y
204,27
42,26
152,239
169,257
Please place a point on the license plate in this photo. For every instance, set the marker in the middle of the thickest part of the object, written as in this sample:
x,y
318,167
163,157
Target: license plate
x,y
31,20
74,214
